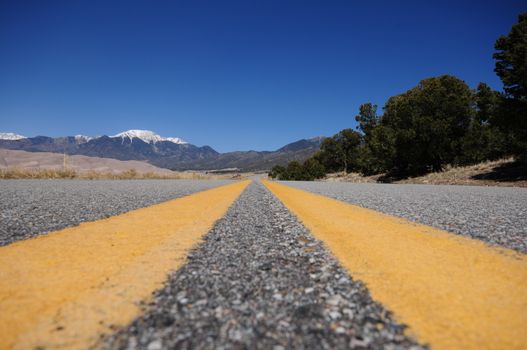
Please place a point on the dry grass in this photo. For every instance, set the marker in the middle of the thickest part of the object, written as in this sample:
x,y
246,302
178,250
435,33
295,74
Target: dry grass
x,y
350,177
15,173
490,173
132,174
503,172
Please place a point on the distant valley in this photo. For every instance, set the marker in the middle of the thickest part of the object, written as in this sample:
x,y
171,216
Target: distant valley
x,y
166,152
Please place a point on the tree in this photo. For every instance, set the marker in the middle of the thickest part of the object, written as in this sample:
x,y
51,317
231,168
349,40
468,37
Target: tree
x,y
294,171
313,169
487,103
348,142
367,118
277,172
426,124
373,153
329,155
511,61
378,153
483,141
511,67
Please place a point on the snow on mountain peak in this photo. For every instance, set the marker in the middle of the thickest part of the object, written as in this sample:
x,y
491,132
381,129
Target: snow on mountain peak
x,y
148,136
83,138
11,136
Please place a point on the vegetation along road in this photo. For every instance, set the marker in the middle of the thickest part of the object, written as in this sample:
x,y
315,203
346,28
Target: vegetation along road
x,y
261,264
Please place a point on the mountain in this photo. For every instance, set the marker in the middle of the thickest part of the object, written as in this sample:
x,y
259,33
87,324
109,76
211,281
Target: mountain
x,y
128,145
82,138
257,160
10,136
302,145
148,136
167,152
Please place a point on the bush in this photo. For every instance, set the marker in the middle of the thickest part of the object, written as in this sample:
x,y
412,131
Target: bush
x,y
310,170
277,172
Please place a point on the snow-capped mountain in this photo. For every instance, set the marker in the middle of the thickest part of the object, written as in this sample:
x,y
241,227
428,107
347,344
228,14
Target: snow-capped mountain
x,y
148,136
127,145
11,136
144,135
83,138
167,152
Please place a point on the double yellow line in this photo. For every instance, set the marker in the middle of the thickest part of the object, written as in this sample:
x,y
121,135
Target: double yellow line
x,y
453,292
65,289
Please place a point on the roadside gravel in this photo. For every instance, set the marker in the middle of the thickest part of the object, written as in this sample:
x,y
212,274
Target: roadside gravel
x,y
33,207
496,215
261,281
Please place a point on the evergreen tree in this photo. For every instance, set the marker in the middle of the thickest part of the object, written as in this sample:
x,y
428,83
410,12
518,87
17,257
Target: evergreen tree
x,y
427,124
511,60
348,142
367,118
511,67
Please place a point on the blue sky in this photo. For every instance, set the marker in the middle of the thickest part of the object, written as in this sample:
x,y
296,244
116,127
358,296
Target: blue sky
x,y
236,75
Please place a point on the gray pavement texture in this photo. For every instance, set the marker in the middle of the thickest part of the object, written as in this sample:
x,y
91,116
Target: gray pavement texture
x,y
496,215
260,280
30,208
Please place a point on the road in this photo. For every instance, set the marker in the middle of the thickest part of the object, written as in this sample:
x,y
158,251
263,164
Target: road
x,y
29,208
261,265
495,215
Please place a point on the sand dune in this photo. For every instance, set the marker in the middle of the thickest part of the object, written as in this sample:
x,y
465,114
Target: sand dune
x,y
11,159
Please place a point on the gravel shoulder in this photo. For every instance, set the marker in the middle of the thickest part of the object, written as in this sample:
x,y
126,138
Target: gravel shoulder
x,y
29,208
261,280
495,215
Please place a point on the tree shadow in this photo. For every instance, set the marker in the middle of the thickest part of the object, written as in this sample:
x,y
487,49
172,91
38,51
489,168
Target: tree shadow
x,y
507,172
398,175
390,178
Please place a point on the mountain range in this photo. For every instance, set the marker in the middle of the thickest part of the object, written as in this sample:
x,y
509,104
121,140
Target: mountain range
x,y
167,152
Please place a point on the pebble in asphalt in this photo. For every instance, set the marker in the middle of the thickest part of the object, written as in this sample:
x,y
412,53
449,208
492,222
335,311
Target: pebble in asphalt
x,y
496,215
32,207
261,280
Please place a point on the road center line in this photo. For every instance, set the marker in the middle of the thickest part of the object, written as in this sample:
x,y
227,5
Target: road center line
x,y
65,289
453,292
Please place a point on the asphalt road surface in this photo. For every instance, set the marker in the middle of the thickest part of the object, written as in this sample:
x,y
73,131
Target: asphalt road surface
x,y
496,215
29,208
261,279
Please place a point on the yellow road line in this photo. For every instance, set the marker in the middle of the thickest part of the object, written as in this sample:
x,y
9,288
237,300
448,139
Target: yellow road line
x,y
453,292
65,289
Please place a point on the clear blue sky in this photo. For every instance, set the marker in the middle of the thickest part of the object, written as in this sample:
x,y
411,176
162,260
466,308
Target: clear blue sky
x,y
236,75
